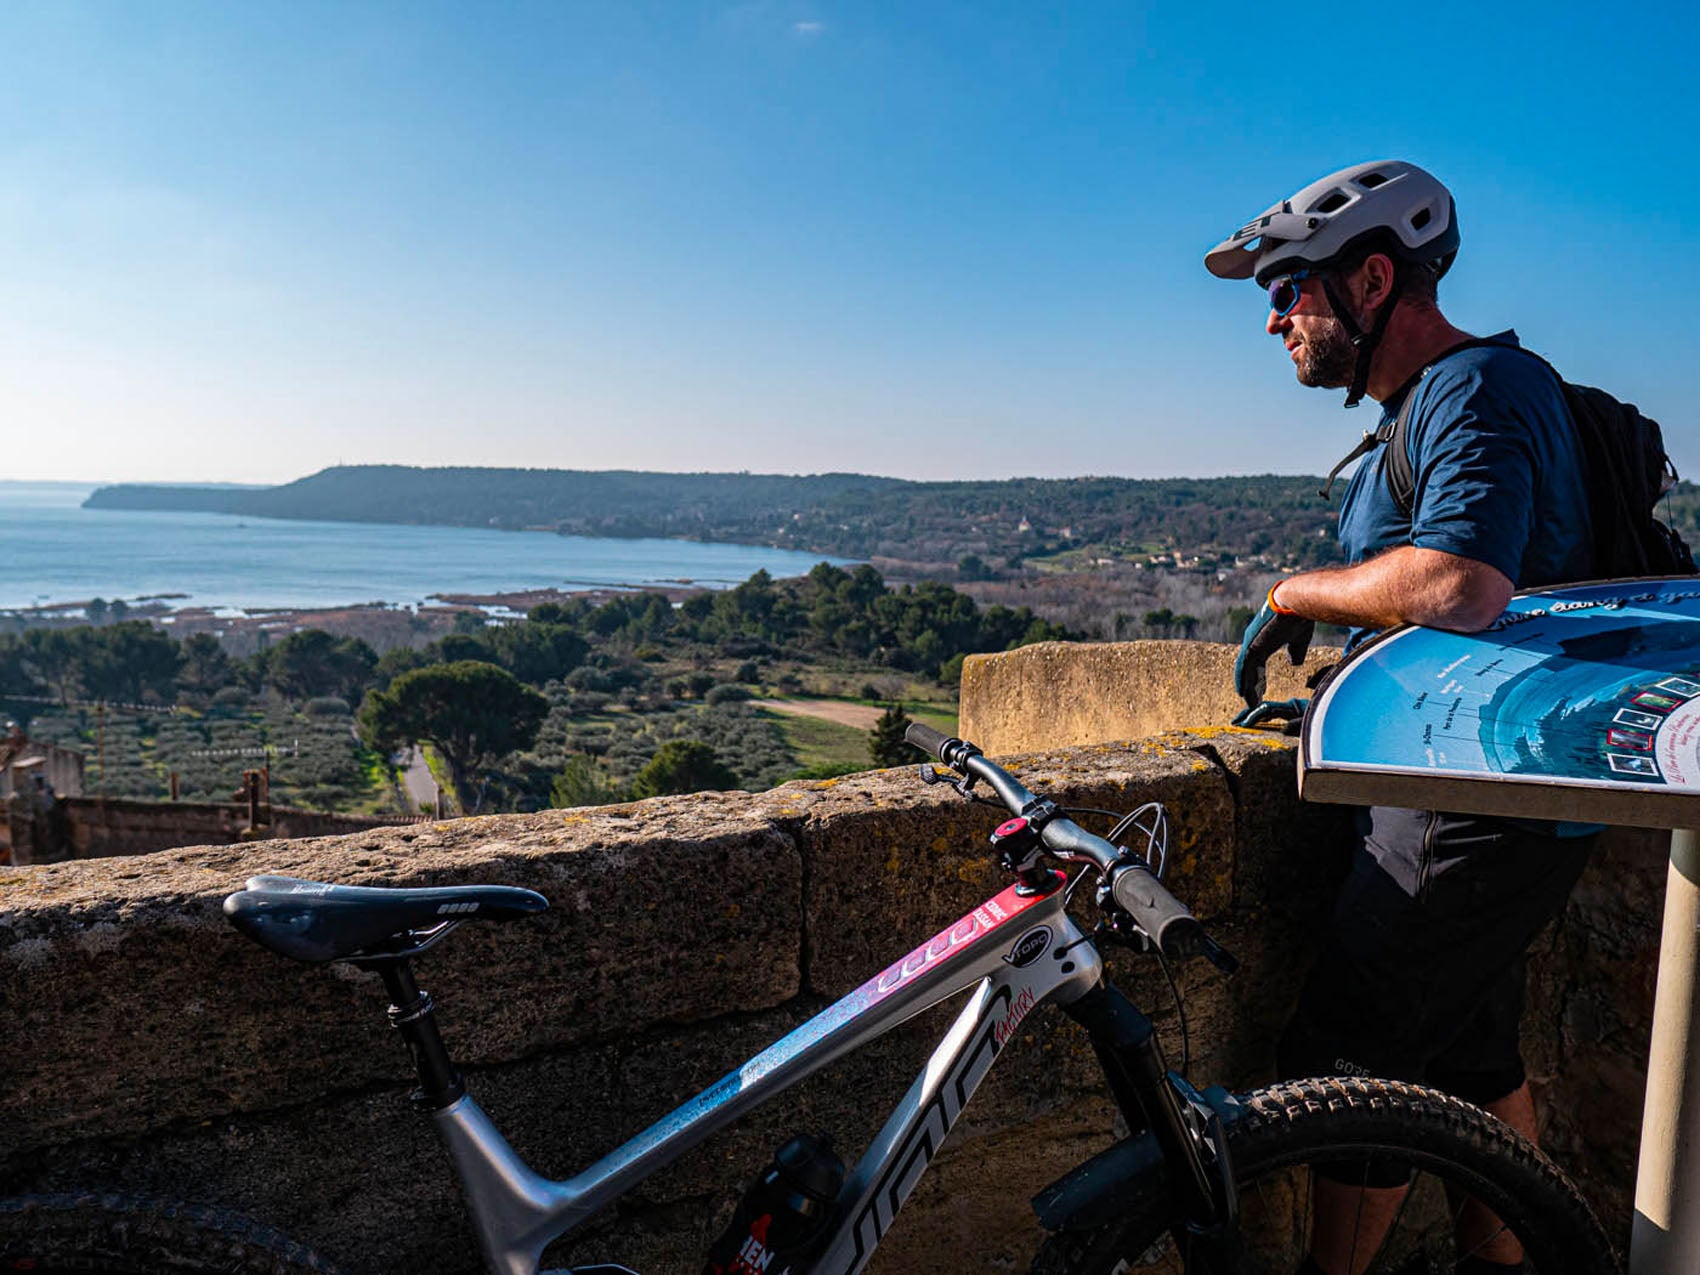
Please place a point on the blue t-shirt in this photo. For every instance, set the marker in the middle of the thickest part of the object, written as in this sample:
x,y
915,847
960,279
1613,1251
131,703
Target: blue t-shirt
x,y
1499,473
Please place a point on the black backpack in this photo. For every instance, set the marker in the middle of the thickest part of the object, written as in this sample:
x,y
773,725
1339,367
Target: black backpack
x,y
1627,473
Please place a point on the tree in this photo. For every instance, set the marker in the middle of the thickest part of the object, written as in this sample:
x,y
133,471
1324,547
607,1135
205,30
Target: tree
x,y
886,744
536,652
127,660
683,765
1239,618
311,663
50,656
458,646
207,666
396,661
471,711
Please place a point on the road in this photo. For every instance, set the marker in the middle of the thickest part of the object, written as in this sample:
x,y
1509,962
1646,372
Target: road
x,y
417,781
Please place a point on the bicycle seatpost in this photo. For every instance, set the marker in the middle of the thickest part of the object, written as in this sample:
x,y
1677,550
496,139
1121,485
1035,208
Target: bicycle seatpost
x,y
412,1014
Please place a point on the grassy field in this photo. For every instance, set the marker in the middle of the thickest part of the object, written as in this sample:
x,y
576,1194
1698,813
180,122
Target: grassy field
x,y
820,743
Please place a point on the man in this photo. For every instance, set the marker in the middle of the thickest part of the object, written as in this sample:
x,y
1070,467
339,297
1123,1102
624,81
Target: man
x,y
1421,977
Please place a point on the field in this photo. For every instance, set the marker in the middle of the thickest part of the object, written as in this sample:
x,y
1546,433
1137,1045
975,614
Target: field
x,y
822,743
316,762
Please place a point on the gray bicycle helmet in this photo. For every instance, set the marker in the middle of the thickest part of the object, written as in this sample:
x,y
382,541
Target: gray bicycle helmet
x,y
1322,224
1388,205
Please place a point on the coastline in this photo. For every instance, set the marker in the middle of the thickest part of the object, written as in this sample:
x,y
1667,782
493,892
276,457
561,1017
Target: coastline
x,y
383,626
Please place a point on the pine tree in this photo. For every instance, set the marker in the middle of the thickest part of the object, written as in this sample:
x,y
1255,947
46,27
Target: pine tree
x,y
886,744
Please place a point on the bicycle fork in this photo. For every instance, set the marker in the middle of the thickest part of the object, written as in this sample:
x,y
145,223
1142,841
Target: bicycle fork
x,y
1182,1153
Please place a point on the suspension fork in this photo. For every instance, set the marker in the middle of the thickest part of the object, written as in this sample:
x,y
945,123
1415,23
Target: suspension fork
x,y
1127,1048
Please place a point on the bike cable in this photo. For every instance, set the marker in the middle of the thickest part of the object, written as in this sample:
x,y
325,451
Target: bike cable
x,y
1180,1012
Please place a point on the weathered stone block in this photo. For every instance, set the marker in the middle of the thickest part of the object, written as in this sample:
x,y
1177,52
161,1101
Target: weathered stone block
x,y
1289,851
129,1003
1054,694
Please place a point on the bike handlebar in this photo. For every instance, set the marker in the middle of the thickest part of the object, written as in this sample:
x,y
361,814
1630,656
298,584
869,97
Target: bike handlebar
x,y
1132,884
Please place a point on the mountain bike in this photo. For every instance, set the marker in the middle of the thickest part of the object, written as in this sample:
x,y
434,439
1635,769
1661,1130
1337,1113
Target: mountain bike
x,y
1205,1181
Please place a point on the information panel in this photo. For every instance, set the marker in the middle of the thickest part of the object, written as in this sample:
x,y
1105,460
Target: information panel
x,y
1579,703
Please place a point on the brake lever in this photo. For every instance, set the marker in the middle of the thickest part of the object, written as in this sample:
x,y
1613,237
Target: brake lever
x,y
963,784
1220,956
1125,932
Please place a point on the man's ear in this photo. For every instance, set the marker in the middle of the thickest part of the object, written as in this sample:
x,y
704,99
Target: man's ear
x,y
1375,277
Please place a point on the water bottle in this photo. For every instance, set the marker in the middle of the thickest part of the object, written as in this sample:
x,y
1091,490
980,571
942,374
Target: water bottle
x,y
783,1211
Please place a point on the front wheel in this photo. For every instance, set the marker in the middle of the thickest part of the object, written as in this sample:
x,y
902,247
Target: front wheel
x,y
1380,1129
133,1235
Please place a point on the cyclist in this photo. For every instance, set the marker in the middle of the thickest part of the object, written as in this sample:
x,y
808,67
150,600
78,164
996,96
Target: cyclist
x,y
1421,976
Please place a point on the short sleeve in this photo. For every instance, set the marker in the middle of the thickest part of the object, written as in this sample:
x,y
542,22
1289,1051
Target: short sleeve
x,y
1474,464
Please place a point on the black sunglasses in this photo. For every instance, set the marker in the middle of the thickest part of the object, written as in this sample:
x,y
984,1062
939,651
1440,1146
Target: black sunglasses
x,y
1284,292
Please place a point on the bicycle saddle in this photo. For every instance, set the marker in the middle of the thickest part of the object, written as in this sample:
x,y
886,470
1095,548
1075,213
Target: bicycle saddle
x,y
315,921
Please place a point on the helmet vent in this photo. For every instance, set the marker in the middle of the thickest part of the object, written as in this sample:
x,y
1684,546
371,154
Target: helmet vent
x,y
1421,218
1369,181
1333,201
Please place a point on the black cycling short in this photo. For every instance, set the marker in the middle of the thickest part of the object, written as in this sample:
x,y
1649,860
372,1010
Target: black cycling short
x,y
1421,977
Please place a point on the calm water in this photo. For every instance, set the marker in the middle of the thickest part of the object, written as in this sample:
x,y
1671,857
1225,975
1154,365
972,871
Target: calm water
x,y
52,550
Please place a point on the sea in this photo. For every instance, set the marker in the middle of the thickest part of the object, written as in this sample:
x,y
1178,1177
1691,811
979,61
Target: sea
x,y
54,552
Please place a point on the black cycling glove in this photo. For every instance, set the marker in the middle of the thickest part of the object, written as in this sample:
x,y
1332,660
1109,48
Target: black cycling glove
x,y
1269,631
1289,712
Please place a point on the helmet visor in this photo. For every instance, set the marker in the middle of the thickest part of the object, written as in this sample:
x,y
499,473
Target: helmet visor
x,y
1236,256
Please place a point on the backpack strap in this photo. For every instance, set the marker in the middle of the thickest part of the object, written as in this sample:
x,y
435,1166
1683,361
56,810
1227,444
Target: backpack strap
x,y
1401,477
1372,439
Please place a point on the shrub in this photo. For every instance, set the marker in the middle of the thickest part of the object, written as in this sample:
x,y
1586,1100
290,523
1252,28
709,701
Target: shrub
x,y
680,766
727,694
583,783
327,706
587,678
886,744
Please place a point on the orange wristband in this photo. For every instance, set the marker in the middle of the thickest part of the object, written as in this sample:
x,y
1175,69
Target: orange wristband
x,y
1275,606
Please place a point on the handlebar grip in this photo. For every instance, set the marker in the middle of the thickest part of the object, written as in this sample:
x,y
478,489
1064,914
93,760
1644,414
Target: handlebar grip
x,y
926,739
1160,914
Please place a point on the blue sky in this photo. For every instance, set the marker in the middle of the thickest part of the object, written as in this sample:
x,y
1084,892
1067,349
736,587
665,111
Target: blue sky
x,y
245,241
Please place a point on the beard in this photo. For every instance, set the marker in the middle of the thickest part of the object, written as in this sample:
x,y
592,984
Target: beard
x,y
1326,356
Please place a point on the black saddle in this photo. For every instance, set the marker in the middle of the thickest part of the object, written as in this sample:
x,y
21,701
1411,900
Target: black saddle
x,y
314,921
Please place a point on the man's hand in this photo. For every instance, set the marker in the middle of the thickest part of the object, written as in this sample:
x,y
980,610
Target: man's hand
x,y
1272,628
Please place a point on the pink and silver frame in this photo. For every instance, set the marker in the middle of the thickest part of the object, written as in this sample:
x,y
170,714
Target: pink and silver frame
x,y
1013,952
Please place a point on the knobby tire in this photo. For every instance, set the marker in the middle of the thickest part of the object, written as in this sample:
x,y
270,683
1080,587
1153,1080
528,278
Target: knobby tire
x,y
1288,1126
134,1235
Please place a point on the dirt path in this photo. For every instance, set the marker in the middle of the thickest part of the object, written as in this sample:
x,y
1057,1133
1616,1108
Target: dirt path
x,y
861,716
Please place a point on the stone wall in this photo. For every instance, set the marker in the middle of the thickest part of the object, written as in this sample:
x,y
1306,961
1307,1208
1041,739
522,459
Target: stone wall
x,y
148,1046
1053,694
103,827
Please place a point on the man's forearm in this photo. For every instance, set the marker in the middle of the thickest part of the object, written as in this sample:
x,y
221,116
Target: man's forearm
x,y
1407,585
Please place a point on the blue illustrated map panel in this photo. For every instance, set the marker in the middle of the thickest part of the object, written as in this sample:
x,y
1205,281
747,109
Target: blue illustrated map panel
x,y
1595,685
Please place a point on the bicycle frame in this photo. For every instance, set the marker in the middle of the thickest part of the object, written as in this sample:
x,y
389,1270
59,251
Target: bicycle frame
x,y
1015,951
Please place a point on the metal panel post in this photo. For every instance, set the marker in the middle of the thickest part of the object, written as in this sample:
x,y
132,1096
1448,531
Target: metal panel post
x,y
1665,1238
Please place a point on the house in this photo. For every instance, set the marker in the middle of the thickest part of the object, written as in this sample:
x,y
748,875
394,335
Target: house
x,y
24,760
